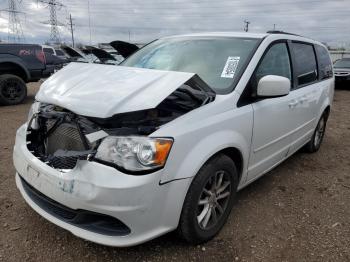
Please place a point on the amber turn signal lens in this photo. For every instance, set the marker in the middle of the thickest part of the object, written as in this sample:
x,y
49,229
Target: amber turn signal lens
x,y
162,150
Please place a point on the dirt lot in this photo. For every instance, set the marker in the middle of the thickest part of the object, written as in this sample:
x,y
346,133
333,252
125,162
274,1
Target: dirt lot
x,y
298,212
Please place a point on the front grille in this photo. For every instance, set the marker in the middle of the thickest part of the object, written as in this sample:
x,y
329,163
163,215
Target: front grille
x,y
92,221
66,137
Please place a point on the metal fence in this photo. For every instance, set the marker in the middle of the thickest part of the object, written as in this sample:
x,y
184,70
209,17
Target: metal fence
x,y
336,55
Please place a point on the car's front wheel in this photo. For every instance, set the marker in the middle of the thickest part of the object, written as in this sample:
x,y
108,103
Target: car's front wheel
x,y
209,200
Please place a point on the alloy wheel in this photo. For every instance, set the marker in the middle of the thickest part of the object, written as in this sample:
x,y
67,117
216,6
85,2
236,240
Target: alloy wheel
x,y
213,200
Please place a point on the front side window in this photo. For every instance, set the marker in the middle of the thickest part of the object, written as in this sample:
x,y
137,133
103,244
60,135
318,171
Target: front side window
x,y
218,61
305,63
275,62
324,62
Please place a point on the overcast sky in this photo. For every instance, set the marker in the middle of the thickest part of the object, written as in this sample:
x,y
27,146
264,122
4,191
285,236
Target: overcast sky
x,y
144,20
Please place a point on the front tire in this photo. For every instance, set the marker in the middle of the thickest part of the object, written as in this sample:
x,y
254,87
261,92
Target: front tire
x,y
317,138
13,90
209,200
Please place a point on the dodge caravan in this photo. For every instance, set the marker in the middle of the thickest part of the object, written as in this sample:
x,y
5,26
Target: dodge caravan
x,y
119,155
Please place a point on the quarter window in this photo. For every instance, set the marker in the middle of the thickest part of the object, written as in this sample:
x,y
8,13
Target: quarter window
x,y
324,62
305,63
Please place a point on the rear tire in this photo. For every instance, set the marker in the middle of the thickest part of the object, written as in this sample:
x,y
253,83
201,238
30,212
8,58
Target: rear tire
x,y
213,191
13,90
317,138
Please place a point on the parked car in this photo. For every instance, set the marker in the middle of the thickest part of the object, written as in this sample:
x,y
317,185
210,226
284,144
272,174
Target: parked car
x,y
119,155
74,55
54,51
55,56
61,54
20,64
100,55
342,71
124,49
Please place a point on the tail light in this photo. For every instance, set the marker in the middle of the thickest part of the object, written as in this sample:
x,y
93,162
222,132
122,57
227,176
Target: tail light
x,y
41,56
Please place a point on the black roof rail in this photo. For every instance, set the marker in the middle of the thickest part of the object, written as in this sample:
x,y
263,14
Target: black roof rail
x,y
280,32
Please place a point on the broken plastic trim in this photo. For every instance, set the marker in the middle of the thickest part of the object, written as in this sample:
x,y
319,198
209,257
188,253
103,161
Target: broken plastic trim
x,y
59,141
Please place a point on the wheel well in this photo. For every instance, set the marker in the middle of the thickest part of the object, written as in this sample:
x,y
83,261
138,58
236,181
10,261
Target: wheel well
x,y
13,69
236,157
327,111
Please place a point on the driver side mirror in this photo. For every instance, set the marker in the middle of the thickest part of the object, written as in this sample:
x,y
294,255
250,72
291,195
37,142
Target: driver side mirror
x,y
273,86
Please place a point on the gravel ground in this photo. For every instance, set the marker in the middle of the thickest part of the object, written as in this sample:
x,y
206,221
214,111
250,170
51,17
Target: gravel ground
x,y
300,211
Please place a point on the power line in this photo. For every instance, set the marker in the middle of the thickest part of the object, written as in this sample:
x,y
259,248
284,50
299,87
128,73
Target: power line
x,y
88,5
71,28
15,31
54,23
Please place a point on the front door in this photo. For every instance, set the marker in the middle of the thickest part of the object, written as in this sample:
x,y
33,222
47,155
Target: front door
x,y
274,118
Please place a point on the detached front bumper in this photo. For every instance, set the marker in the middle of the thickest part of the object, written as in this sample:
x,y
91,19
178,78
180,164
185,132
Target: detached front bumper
x,y
139,203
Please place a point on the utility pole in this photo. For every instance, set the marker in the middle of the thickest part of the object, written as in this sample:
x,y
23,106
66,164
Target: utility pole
x,y
246,25
71,28
54,23
88,2
14,32
274,27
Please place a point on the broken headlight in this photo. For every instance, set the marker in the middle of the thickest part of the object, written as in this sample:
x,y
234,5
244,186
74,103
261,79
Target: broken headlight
x,y
135,153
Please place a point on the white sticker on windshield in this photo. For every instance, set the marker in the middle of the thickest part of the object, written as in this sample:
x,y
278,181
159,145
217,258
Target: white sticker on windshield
x,y
230,67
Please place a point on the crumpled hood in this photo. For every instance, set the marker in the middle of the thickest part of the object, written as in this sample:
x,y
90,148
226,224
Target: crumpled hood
x,y
103,90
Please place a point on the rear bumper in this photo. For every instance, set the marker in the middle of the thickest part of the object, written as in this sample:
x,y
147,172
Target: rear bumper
x,y
138,202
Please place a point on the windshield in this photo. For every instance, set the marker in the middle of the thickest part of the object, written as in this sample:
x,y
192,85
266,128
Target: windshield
x,y
342,63
217,61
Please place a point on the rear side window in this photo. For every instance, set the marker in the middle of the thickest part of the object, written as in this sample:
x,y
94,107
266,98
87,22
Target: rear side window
x,y
324,62
305,65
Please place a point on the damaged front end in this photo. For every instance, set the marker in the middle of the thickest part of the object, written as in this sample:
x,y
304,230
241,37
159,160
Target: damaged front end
x,y
57,137
60,137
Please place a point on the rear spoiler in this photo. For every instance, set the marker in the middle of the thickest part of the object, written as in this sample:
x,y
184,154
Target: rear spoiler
x,y
125,49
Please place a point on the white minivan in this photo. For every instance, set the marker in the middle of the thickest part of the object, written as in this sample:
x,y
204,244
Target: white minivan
x,y
119,155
